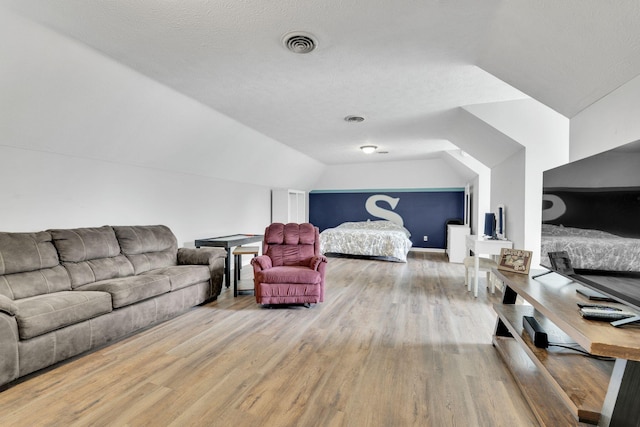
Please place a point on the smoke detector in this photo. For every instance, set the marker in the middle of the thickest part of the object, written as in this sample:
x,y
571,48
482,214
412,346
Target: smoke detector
x,y
299,42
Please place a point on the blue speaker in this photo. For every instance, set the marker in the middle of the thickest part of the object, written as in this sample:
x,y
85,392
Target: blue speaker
x,y
490,224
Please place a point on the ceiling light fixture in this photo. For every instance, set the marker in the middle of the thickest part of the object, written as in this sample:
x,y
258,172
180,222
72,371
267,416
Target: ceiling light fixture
x,y
368,149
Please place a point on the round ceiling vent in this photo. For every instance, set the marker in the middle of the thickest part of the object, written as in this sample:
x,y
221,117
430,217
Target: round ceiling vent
x,y
354,119
299,42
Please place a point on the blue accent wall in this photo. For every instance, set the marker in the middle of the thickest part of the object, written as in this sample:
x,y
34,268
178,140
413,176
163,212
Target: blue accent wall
x,y
424,211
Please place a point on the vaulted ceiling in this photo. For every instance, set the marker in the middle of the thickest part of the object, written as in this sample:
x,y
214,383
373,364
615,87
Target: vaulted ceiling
x,y
404,65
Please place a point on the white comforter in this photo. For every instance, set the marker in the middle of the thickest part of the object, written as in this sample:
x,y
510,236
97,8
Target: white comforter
x,y
368,238
591,249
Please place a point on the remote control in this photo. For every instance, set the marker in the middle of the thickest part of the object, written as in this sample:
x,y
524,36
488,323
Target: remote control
x,y
602,307
604,314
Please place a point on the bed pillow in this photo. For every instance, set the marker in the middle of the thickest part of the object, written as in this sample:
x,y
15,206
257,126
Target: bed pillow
x,y
374,225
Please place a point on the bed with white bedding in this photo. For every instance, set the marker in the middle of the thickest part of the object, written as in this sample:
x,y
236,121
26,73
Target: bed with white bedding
x,y
367,238
591,249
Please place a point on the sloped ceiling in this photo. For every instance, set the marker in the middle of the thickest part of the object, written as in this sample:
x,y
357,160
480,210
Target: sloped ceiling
x,y
405,66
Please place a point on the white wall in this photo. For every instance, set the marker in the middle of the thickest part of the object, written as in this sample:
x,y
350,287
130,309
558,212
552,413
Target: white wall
x,y
58,191
85,141
478,178
429,173
608,123
507,183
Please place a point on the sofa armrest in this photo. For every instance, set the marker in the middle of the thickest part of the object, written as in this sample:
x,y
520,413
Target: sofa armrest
x,y
315,262
199,256
8,306
214,258
262,262
9,365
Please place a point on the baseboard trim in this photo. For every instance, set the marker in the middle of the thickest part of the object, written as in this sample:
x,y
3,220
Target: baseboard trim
x,y
427,250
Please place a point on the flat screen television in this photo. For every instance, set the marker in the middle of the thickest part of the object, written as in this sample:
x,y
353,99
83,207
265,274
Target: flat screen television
x,y
591,210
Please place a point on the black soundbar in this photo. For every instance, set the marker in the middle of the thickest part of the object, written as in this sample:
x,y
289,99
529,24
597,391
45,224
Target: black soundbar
x,y
535,331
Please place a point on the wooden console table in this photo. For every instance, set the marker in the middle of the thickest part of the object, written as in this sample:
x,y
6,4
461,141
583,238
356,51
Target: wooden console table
x,y
563,387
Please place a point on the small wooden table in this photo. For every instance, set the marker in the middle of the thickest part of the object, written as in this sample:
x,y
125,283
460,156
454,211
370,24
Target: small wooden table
x,y
237,263
229,242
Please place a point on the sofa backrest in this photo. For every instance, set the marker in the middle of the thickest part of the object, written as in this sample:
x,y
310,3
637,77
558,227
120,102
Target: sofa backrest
x,y
291,244
90,254
29,265
148,246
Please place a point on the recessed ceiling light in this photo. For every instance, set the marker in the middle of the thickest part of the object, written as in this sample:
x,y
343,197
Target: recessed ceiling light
x,y
368,149
299,42
354,119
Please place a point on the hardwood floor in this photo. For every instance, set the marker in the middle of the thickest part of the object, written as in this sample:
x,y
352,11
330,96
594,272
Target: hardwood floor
x,y
393,345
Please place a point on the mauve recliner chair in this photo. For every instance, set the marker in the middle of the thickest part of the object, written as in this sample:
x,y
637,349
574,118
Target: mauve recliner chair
x,y
291,267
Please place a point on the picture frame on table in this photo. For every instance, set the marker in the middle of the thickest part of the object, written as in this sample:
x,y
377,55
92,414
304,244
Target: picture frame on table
x,y
515,260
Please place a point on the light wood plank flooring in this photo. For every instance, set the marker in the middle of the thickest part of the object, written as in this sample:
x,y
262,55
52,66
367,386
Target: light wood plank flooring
x,y
393,344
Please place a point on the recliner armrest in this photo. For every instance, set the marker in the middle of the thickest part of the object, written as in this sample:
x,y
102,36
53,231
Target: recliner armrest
x,y
262,262
199,256
316,261
8,306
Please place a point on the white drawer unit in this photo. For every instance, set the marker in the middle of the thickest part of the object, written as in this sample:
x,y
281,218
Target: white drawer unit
x,y
456,247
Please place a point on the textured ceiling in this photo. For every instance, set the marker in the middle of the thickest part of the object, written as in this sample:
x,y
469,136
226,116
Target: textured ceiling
x,y
401,64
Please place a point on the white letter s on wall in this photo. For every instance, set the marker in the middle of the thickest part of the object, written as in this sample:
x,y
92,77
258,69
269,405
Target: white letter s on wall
x,y
375,210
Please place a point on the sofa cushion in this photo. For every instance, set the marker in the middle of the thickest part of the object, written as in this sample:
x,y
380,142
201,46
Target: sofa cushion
x,y
90,254
148,246
31,283
22,252
290,274
181,276
29,265
40,314
98,269
83,244
128,290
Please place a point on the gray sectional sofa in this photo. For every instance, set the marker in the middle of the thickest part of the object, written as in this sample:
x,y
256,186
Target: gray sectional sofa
x,y
64,292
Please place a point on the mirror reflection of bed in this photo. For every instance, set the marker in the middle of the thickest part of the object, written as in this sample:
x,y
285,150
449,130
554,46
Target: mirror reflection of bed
x,y
379,240
591,249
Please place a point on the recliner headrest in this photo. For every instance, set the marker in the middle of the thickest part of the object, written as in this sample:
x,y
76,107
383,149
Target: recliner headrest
x,y
290,234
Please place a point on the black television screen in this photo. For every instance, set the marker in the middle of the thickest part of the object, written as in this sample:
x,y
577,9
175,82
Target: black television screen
x,y
591,210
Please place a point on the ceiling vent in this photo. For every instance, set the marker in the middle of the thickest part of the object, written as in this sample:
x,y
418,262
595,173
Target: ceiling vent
x,y
299,42
354,119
